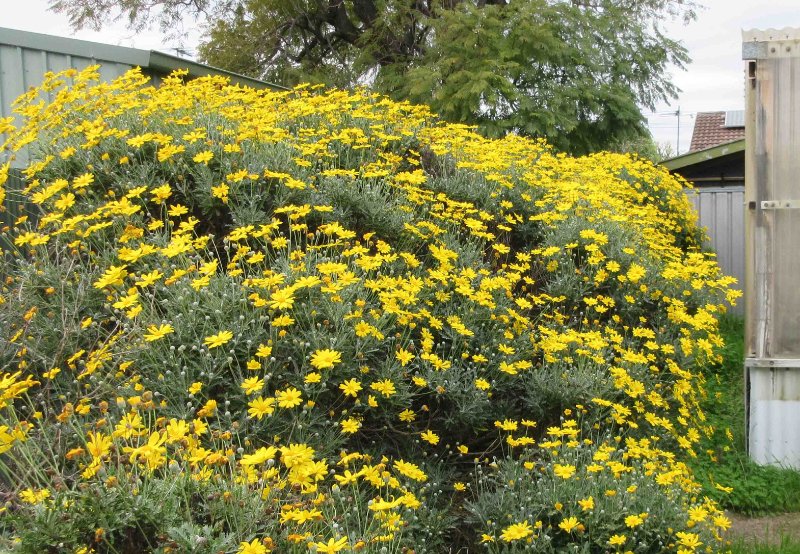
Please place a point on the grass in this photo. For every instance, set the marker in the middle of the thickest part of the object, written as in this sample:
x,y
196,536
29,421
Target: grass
x,y
786,546
757,490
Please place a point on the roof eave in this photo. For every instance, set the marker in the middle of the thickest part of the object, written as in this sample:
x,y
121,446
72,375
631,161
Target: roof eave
x,y
167,63
75,47
152,60
691,158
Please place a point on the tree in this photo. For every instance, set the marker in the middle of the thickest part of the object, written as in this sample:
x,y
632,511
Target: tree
x,y
574,71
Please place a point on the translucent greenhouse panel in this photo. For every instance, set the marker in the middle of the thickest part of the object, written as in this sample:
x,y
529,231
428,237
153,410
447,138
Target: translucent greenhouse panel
x,y
786,289
773,198
772,259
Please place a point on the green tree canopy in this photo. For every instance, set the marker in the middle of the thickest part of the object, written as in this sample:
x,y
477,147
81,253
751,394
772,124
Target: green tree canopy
x,y
574,71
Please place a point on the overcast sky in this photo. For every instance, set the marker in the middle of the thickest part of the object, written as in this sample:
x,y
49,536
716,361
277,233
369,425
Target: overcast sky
x,y
33,15
713,81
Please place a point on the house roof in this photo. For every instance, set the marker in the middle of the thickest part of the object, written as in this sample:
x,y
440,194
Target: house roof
x,y
714,128
153,60
698,156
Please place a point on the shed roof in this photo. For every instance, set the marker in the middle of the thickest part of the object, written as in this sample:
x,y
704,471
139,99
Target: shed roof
x,y
153,60
714,128
699,156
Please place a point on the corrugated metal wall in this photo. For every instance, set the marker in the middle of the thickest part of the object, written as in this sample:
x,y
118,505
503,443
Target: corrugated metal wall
x,y
721,211
22,68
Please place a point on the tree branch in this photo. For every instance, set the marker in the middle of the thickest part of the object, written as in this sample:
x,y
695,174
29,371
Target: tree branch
x,y
338,18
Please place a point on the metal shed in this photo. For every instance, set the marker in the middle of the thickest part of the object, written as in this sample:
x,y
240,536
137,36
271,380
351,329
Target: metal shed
x,y
772,196
25,57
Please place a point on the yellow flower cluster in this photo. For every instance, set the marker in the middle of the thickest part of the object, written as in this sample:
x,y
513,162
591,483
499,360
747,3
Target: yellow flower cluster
x,y
311,299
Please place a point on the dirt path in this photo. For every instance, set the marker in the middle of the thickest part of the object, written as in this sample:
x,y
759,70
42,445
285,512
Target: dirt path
x,y
768,529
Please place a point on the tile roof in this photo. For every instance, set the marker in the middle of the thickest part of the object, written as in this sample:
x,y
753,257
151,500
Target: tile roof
x,y
710,130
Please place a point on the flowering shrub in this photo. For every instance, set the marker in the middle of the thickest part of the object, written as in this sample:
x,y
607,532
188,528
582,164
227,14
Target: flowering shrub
x,y
252,321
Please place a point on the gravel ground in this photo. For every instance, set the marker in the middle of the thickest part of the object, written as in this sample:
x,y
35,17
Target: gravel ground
x,y
764,530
